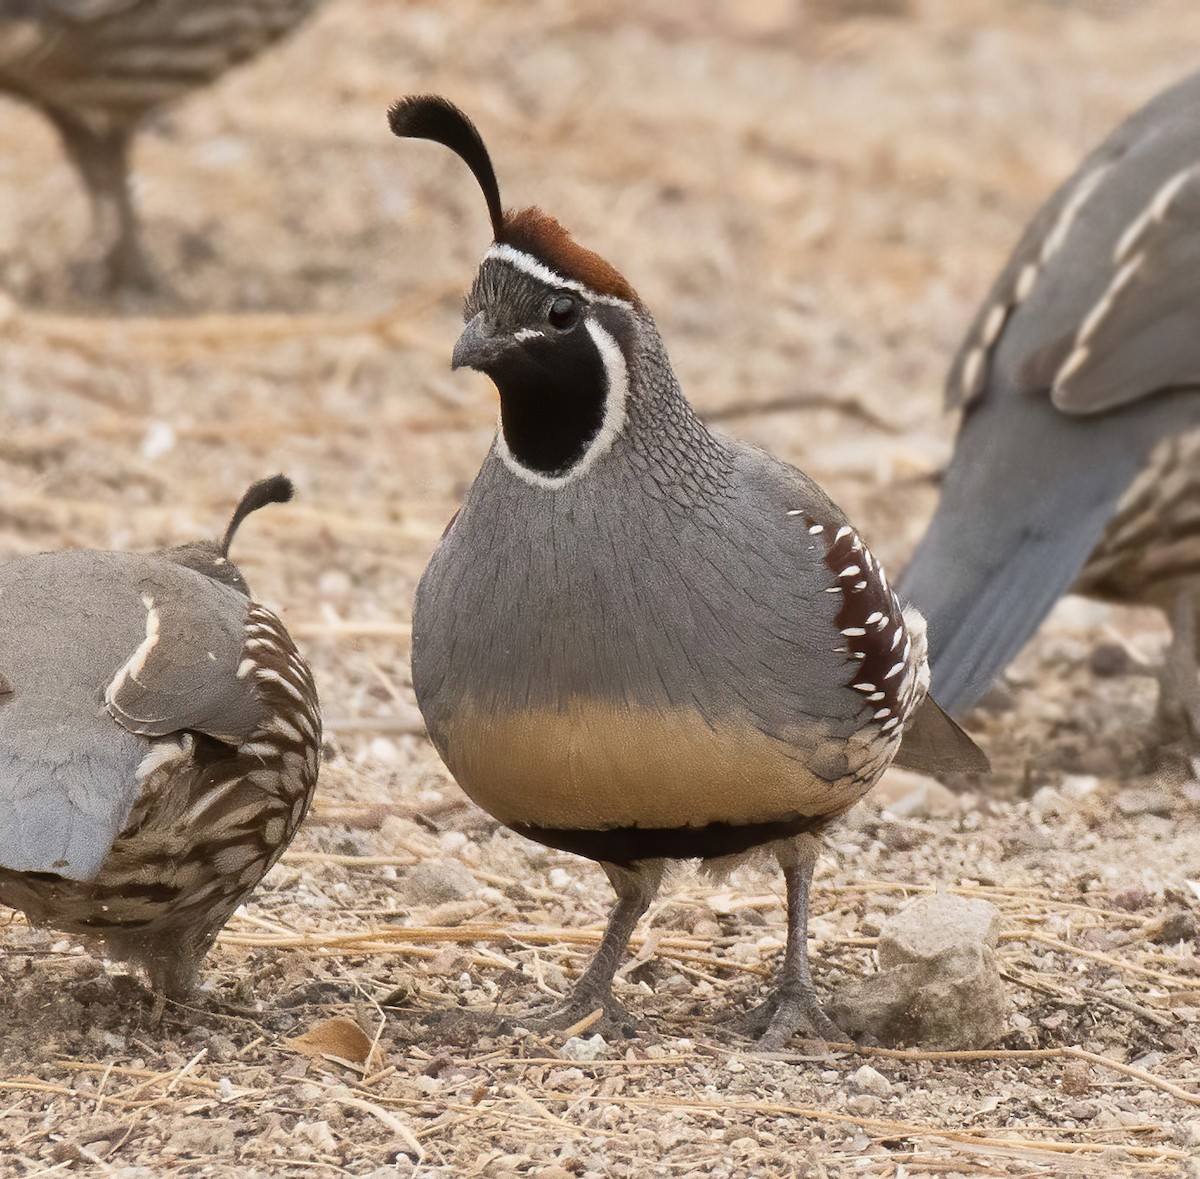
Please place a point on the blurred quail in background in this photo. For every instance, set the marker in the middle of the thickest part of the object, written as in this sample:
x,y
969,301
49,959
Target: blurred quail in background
x,y
159,743
1077,464
96,67
639,641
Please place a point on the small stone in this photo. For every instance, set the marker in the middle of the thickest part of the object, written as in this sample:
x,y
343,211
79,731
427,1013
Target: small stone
x,y
869,1080
1171,928
938,984
435,882
865,1105
1110,659
929,926
1076,1079
1143,800
584,1048
909,795
1048,801
1077,787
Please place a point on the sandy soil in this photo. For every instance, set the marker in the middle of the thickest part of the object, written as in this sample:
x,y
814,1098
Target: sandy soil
x,y
812,198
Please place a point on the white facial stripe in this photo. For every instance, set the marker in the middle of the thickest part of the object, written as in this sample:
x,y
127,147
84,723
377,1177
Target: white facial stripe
x,y
528,264
610,427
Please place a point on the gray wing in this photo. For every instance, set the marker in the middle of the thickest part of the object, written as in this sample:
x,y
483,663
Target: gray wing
x,y
183,675
1095,305
73,626
1083,325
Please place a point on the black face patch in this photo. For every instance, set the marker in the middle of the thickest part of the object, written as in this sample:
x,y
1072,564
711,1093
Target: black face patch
x,y
552,394
551,378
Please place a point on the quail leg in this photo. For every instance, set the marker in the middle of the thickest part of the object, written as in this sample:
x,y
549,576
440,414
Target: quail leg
x,y
102,161
794,1000
1179,678
635,886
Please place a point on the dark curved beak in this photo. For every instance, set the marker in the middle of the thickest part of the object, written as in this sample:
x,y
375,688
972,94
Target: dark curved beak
x,y
479,347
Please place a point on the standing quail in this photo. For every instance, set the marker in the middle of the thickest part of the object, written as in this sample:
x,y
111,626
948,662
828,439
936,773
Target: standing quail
x,y
639,641
159,743
1077,462
96,67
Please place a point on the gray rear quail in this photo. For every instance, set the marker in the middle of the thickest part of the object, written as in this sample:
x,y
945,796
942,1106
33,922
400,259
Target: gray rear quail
x,y
96,67
639,641
159,744
1077,461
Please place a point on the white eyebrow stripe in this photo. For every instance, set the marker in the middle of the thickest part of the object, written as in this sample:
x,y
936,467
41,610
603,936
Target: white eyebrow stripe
x,y
531,266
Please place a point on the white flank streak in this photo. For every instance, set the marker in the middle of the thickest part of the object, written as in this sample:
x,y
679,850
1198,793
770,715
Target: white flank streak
x,y
816,528
795,511
245,668
1025,281
1120,281
993,323
164,753
1156,210
610,428
266,673
845,530
132,667
972,367
1058,233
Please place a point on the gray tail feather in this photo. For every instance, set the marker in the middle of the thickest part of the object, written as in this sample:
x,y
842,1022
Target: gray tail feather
x,y
982,606
934,744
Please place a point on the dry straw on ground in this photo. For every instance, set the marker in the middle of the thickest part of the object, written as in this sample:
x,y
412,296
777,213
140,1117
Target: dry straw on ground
x,y
811,199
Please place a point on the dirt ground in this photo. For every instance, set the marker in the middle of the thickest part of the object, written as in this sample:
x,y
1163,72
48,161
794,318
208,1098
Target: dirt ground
x,y
811,197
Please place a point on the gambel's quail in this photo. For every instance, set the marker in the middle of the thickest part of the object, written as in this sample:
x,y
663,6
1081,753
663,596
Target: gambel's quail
x,y
639,641
159,742
1077,463
96,67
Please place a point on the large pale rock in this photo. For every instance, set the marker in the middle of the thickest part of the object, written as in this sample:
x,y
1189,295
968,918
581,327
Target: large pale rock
x,y
938,984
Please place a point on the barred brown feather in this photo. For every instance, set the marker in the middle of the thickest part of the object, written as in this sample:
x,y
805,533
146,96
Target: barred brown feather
x,y
209,823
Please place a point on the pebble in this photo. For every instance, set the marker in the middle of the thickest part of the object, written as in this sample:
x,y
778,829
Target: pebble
x,y
436,882
865,1105
1143,800
930,926
584,1048
869,1080
938,983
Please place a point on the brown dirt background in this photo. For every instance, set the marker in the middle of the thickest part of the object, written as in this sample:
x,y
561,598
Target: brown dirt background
x,y
812,198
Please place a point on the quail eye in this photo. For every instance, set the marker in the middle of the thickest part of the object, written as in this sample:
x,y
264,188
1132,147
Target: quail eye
x,y
564,311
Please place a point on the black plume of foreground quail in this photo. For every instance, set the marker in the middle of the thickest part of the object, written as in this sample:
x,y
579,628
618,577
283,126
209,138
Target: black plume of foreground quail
x,y
1077,463
95,68
639,641
159,743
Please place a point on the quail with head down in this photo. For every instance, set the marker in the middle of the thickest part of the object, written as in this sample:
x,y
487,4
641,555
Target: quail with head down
x,y
97,68
159,745
640,641
1077,462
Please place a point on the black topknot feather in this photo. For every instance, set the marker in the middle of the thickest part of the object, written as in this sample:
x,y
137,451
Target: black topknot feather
x,y
429,116
277,489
